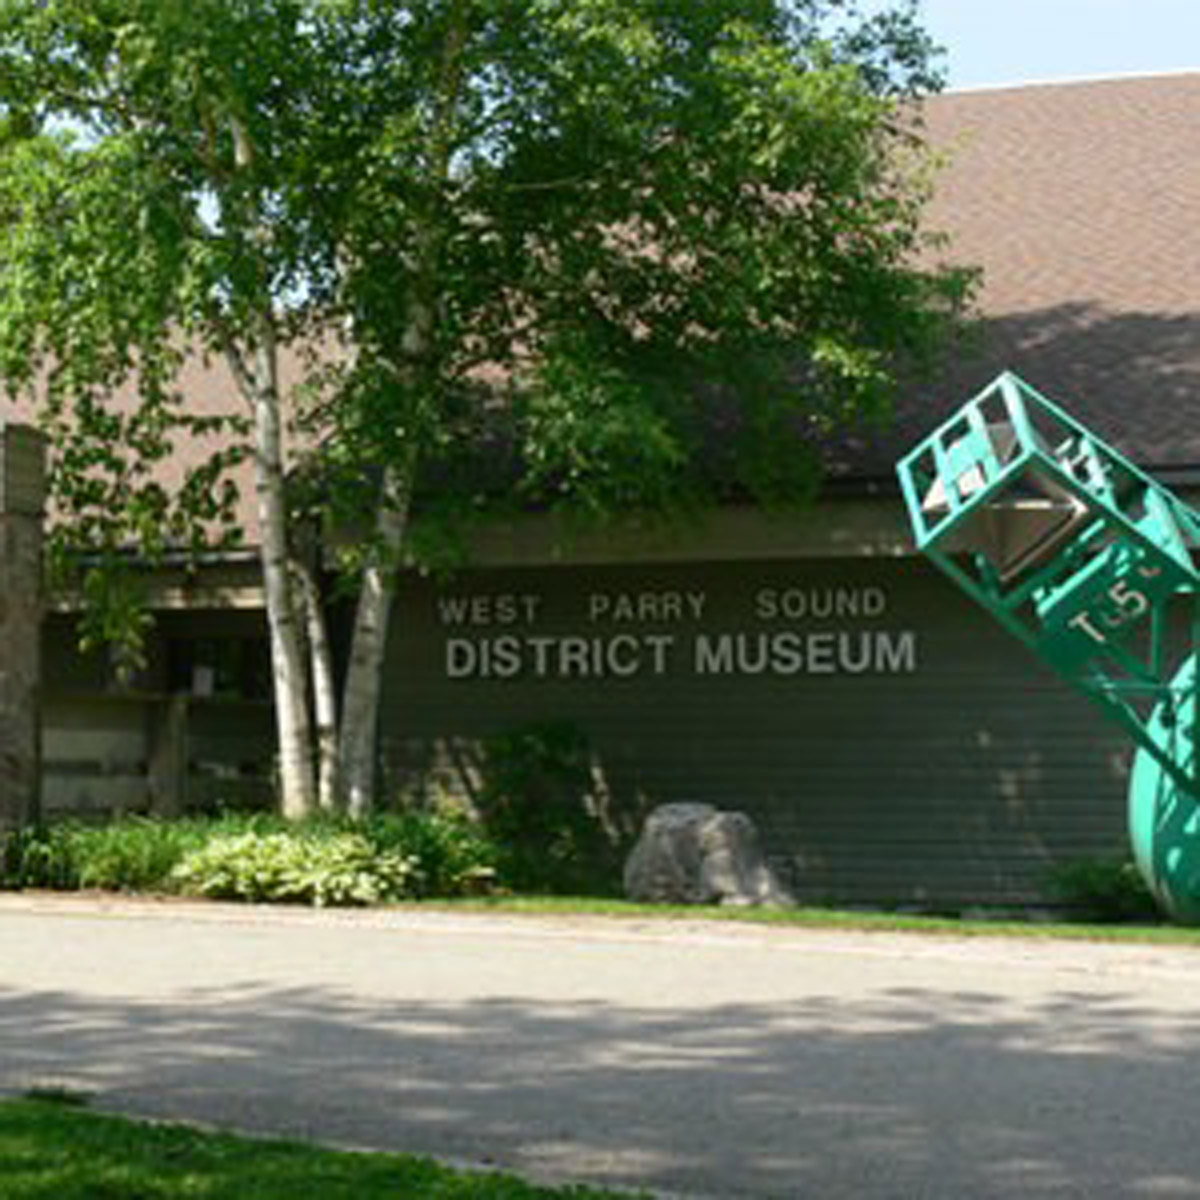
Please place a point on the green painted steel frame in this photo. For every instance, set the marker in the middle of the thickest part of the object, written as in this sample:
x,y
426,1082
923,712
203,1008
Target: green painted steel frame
x,y
1105,547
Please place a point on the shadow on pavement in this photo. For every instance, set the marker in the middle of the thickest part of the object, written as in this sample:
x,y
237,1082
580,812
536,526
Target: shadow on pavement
x,y
906,1093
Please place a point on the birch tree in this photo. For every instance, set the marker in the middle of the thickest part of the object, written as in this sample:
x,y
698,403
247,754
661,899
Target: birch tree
x,y
605,255
144,181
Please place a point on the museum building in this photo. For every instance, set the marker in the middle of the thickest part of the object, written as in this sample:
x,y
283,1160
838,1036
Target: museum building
x,y
892,743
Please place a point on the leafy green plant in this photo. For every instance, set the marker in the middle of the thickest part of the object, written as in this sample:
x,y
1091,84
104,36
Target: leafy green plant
x,y
134,854
537,802
1103,889
37,858
340,869
322,861
454,854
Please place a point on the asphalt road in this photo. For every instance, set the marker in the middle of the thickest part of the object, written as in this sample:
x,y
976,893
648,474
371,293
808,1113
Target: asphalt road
x,y
711,1061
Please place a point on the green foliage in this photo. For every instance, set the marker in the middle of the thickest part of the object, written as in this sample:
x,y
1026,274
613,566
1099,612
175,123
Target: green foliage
x,y
672,315
341,869
454,856
1104,889
133,855
33,858
672,231
538,804
643,255
50,1150
259,857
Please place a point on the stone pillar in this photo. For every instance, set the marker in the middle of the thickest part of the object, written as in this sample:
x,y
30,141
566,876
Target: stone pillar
x,y
22,491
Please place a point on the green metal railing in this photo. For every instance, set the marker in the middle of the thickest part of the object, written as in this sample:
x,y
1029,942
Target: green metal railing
x,y
1088,561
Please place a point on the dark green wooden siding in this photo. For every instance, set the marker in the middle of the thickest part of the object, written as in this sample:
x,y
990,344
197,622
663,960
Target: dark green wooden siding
x,y
961,781
153,746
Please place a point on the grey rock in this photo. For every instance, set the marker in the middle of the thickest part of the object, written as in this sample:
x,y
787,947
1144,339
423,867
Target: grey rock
x,y
697,854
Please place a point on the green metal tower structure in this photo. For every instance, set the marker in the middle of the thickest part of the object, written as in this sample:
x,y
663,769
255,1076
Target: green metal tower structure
x,y
1088,561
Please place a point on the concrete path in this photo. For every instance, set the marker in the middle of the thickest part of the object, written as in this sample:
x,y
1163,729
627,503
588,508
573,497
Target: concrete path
x,y
716,1061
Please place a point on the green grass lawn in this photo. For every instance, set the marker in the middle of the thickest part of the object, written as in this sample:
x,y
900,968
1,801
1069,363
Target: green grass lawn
x,y
56,1151
1014,925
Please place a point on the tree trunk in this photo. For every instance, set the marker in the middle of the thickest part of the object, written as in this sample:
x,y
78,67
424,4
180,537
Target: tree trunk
x,y
293,728
260,386
324,699
418,375
360,695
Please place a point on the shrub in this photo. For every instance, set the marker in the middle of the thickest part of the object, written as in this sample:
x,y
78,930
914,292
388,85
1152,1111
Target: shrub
x,y
454,855
258,857
1104,889
38,858
537,803
134,854
337,869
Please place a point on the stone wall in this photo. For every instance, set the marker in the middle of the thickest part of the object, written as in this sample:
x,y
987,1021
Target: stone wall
x,y
21,496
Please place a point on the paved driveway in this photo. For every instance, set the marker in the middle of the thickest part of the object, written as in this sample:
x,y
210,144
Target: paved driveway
x,y
715,1061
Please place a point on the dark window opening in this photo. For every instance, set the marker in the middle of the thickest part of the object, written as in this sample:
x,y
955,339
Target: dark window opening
x,y
235,667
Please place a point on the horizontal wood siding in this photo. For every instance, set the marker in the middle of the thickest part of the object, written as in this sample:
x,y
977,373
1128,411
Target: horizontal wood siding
x,y
99,754
960,781
230,754
151,745
93,757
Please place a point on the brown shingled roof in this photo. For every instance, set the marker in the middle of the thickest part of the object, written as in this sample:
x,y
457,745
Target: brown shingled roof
x,y
1081,202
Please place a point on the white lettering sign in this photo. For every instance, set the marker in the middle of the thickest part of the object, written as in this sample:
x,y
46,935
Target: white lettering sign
x,y
506,608
785,653
803,604
646,607
1120,605
558,657
477,649
792,653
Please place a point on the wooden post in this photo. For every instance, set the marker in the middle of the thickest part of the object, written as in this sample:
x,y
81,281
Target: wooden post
x,y
168,756
22,492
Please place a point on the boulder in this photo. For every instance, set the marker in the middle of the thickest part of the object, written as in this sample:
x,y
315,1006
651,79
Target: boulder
x,y
697,854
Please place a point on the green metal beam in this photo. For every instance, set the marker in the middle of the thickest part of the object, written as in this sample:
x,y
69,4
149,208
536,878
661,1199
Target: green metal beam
x,y
1079,555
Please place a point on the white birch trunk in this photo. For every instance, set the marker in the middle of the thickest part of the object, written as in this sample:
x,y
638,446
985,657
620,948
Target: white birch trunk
x,y
360,695
260,386
293,728
323,691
